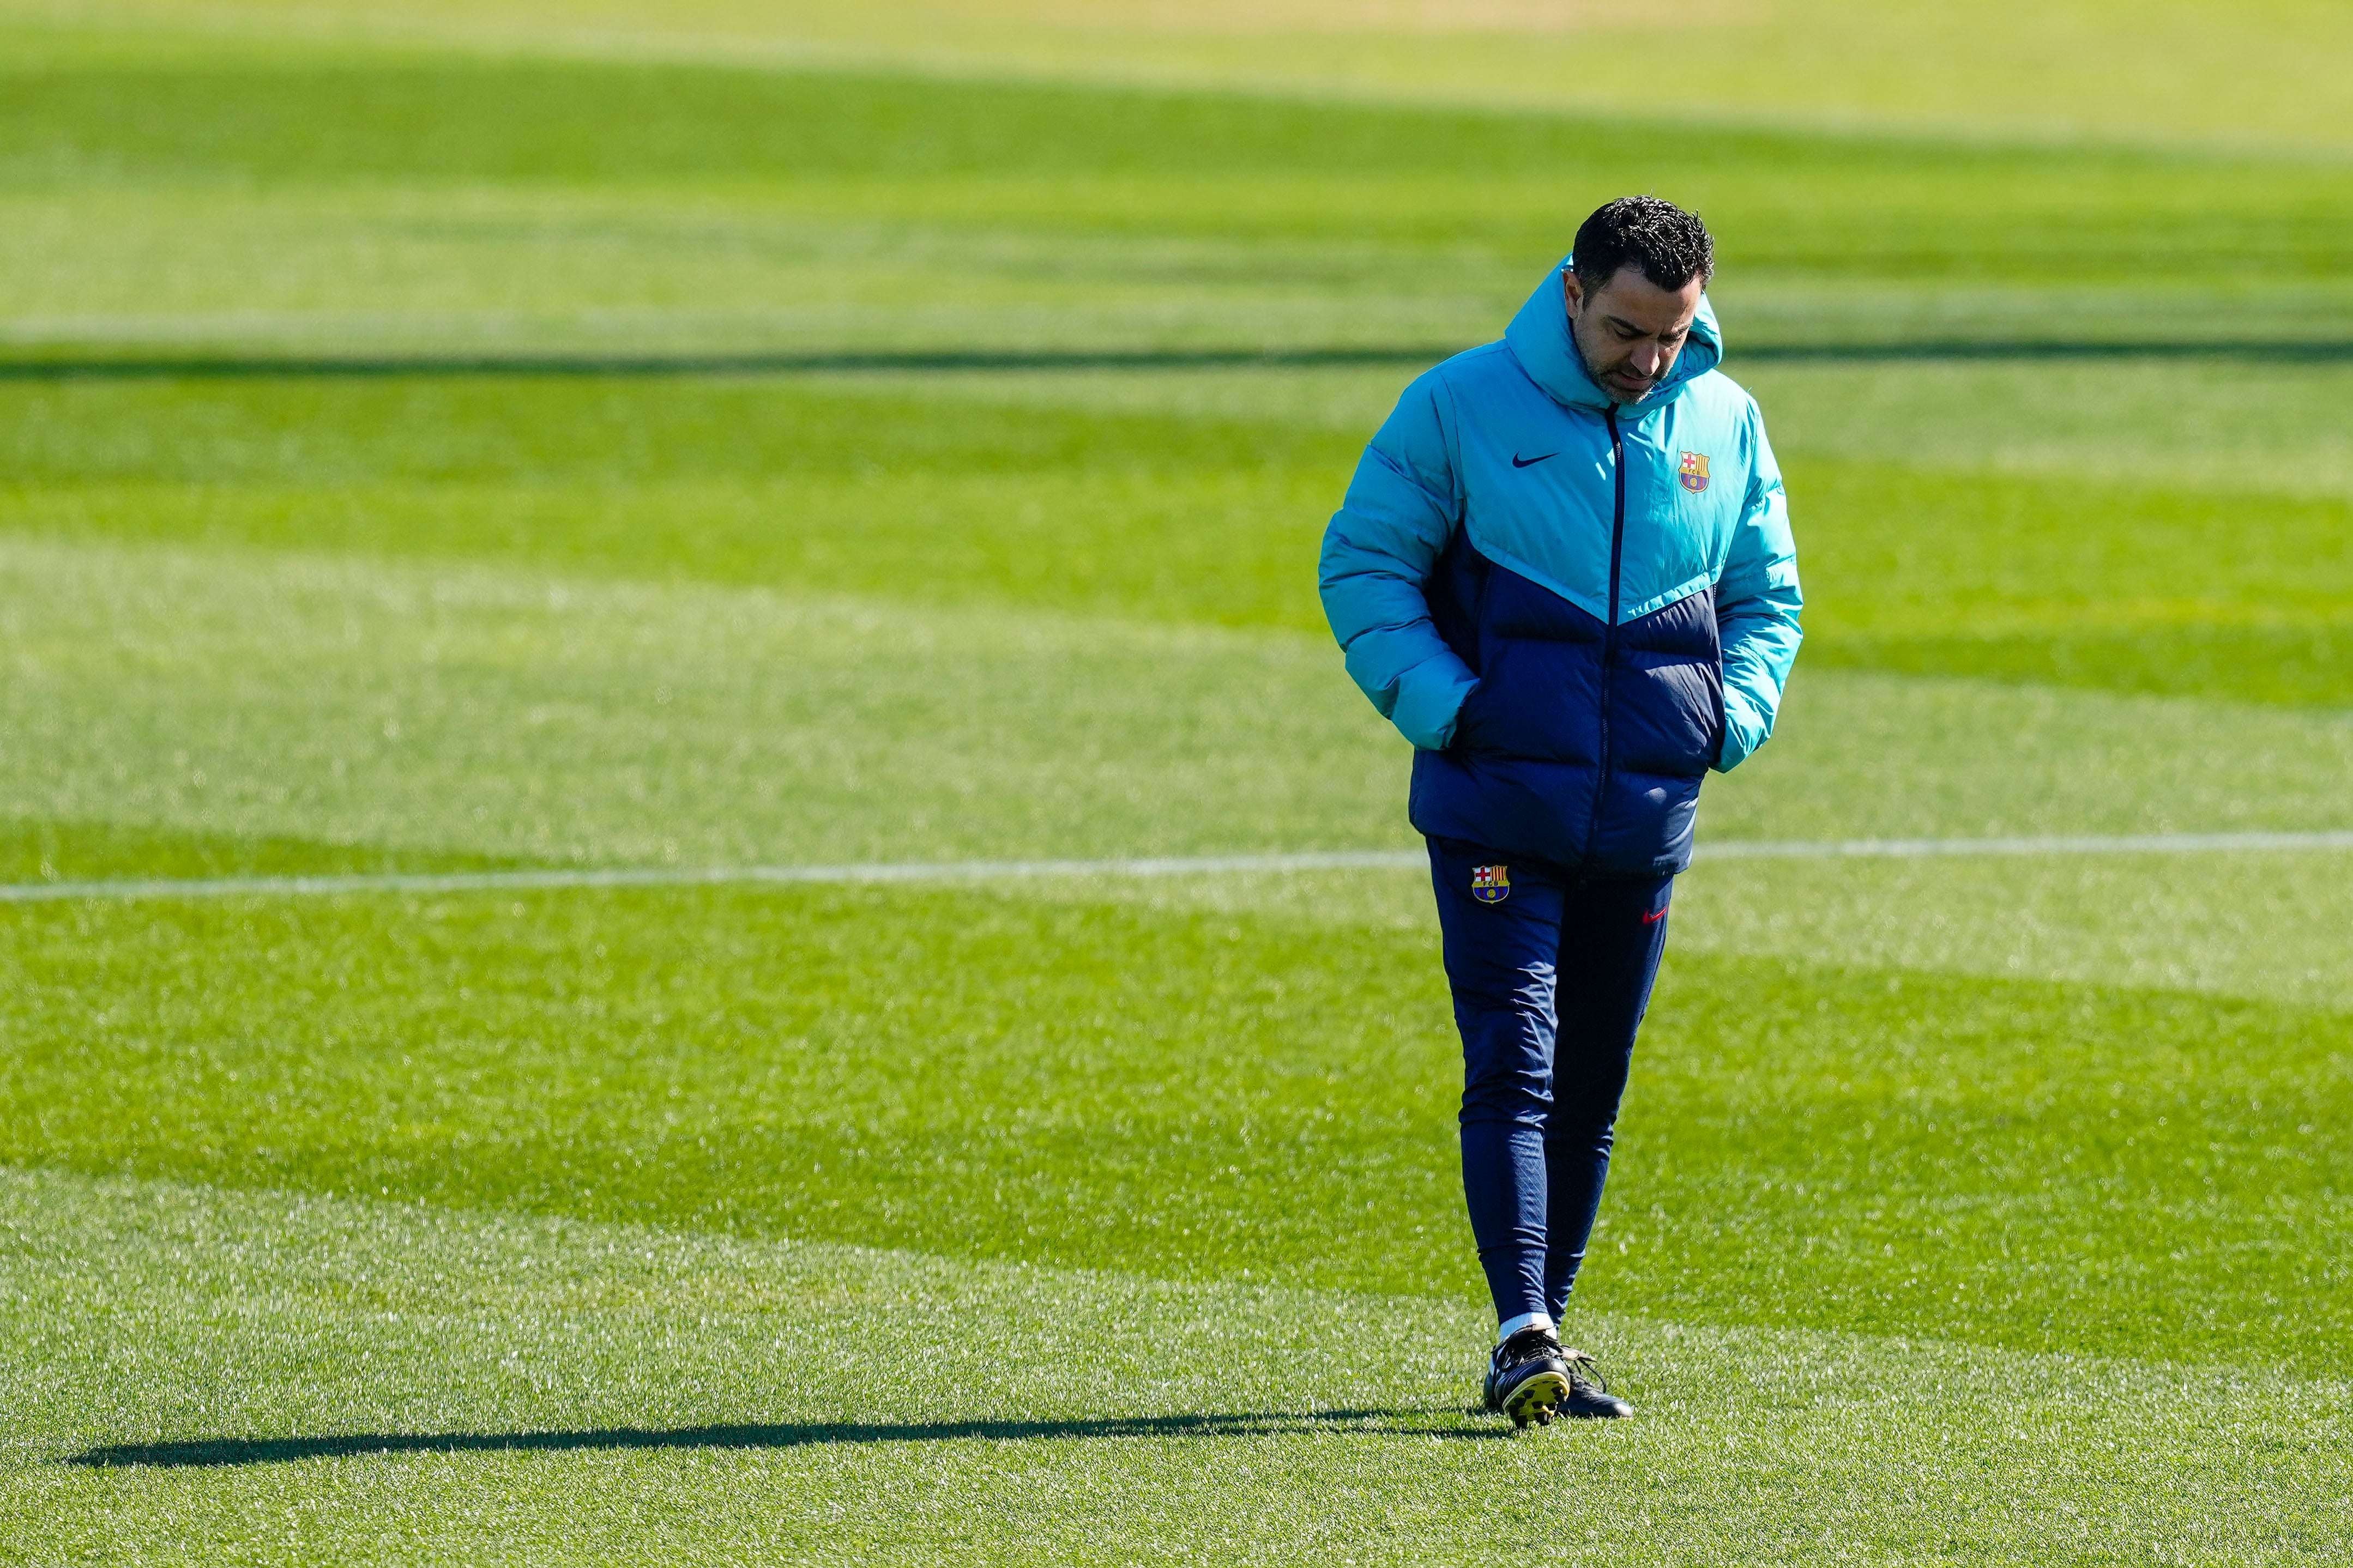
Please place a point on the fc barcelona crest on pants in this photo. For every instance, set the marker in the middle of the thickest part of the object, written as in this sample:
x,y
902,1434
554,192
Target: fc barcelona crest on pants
x,y
1694,472
1491,884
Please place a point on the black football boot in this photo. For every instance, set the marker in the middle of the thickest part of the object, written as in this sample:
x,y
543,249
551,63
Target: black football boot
x,y
1589,1397
1527,1378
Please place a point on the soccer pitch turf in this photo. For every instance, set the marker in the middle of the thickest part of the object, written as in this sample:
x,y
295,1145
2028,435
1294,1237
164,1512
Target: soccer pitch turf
x,y
459,448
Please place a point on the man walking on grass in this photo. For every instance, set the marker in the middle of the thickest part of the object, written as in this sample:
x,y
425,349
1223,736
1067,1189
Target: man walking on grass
x,y
1564,571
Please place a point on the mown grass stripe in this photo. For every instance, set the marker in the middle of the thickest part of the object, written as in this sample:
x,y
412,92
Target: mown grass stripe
x,y
1166,865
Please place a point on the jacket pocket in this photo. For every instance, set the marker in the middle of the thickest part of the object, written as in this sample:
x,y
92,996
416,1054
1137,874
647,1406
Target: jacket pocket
x,y
1467,720
1666,716
1723,722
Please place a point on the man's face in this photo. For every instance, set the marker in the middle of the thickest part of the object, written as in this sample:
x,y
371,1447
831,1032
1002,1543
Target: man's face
x,y
1630,330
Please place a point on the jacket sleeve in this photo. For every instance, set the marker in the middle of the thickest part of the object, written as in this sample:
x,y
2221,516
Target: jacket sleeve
x,y
1757,605
1401,507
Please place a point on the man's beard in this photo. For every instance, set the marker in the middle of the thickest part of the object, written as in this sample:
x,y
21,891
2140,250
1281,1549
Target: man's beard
x,y
1594,374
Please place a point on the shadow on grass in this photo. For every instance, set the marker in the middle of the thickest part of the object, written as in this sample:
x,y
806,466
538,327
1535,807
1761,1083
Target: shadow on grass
x,y
222,1451
138,367
238,367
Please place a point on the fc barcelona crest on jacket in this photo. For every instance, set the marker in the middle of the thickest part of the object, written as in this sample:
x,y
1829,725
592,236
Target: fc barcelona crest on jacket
x,y
1694,472
1491,884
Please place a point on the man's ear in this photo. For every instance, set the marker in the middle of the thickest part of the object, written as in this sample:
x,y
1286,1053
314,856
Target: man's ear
x,y
1572,291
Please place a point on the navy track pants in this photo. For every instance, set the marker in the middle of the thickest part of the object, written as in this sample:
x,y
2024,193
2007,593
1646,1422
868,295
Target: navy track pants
x,y
1550,981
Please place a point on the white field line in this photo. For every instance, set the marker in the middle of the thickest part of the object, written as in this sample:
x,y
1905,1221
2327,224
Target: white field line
x,y
1173,866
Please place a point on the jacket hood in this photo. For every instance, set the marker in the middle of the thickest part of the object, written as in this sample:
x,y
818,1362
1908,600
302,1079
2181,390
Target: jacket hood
x,y
1538,338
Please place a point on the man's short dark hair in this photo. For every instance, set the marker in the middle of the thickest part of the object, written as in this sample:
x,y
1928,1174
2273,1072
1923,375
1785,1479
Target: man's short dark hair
x,y
1671,246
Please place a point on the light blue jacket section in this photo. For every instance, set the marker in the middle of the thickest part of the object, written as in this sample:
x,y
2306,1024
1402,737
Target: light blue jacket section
x,y
1509,441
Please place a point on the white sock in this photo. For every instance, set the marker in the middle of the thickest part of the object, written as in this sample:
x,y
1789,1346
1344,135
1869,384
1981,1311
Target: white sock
x,y
1525,1320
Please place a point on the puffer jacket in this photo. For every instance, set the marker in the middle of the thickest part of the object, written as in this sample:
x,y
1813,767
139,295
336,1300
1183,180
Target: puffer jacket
x,y
1574,608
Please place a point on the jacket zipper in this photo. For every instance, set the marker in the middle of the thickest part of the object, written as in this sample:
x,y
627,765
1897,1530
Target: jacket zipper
x,y
1609,632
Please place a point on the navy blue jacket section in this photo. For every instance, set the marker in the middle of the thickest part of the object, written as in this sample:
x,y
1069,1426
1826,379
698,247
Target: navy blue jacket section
x,y
1580,746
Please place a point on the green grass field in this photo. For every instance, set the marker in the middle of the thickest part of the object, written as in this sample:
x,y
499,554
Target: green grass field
x,y
521,435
